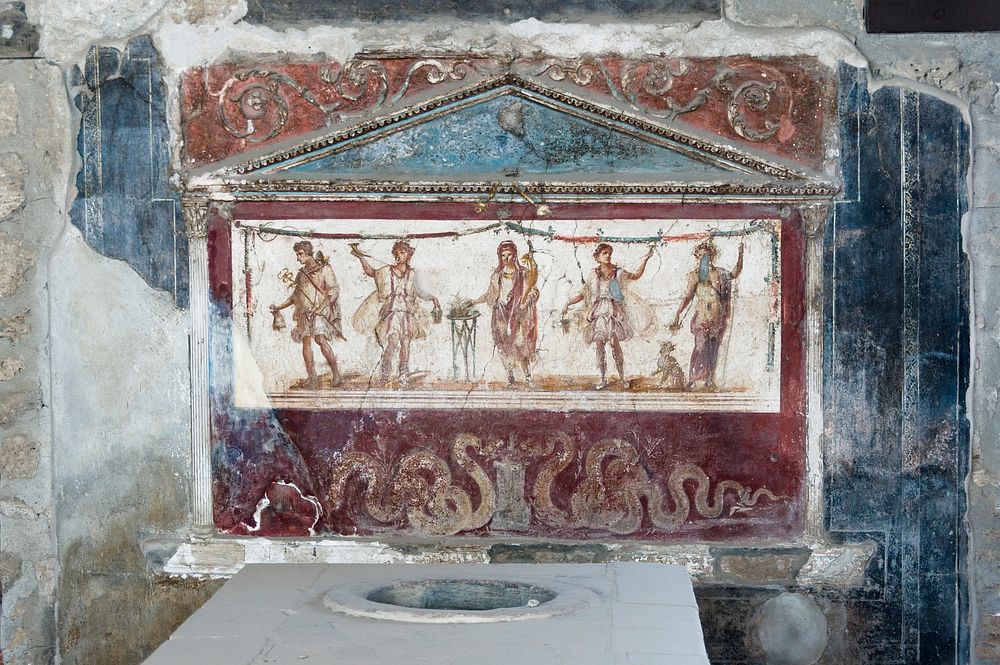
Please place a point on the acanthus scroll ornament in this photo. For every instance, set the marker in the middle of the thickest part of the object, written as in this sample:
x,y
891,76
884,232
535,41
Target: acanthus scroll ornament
x,y
437,71
760,102
758,106
644,86
260,104
364,81
256,104
580,73
653,80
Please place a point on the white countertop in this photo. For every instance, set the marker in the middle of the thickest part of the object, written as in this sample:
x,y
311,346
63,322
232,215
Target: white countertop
x,y
621,614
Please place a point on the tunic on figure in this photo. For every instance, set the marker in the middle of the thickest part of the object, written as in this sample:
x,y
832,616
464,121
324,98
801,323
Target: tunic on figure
x,y
317,304
609,315
394,307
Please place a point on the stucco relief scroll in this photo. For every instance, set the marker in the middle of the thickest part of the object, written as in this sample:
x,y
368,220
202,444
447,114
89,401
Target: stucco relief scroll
x,y
764,102
254,104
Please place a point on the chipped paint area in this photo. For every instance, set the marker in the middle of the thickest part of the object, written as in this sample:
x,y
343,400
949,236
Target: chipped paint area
x,y
268,499
837,566
224,557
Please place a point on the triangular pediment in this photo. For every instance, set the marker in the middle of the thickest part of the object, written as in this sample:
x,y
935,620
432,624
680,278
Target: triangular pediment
x,y
506,130
505,134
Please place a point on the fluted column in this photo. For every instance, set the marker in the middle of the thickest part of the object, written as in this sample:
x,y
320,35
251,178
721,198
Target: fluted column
x,y
814,219
196,222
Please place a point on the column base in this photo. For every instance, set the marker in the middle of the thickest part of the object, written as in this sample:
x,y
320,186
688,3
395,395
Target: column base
x,y
202,532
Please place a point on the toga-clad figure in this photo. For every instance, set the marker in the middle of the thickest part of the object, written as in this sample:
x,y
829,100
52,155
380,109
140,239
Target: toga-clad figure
x,y
512,297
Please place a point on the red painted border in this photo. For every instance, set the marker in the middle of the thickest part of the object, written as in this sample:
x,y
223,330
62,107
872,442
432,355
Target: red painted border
x,y
281,210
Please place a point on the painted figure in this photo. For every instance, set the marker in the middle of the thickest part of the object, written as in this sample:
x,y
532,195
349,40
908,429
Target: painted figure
x,y
316,299
399,318
711,288
609,319
512,295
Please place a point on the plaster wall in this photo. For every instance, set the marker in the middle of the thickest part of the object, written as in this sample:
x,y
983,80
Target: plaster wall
x,y
120,395
93,455
36,159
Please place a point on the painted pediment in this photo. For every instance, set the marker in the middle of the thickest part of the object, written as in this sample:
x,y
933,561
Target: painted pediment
x,y
511,130
507,134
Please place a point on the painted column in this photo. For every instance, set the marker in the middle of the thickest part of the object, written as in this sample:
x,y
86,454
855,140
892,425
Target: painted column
x,y
196,222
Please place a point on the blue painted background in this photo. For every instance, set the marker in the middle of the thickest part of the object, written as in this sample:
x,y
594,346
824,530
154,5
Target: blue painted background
x,y
897,361
501,137
896,357
125,206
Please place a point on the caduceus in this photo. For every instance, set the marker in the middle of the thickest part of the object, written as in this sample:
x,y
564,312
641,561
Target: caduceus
x,y
285,275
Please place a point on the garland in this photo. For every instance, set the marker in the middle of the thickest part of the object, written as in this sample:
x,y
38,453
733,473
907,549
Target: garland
x,y
550,233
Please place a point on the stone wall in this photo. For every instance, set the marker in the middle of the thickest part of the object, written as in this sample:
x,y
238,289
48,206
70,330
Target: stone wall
x,y
93,351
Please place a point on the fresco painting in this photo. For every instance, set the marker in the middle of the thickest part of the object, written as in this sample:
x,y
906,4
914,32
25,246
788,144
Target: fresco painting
x,y
612,492
435,369
552,298
595,314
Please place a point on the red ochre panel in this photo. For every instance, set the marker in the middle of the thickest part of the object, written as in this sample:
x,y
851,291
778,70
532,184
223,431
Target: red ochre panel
x,y
779,106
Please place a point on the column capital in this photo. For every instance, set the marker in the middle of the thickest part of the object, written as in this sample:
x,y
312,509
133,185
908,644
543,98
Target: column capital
x,y
814,218
195,216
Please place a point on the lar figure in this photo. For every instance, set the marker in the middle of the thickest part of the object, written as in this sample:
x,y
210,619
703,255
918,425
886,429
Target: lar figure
x,y
399,319
609,319
316,298
670,371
